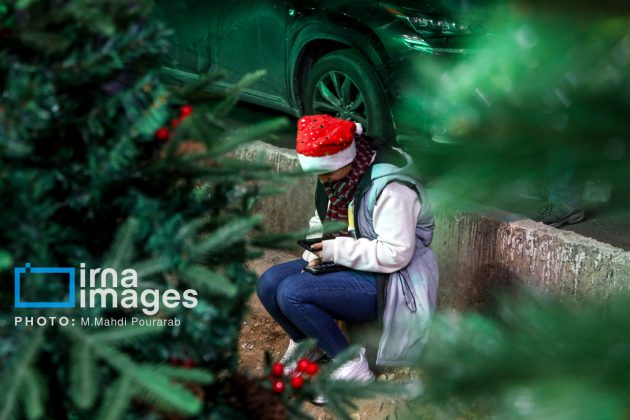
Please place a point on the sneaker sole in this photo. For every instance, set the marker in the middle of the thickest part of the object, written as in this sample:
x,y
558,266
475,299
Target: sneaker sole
x,y
573,218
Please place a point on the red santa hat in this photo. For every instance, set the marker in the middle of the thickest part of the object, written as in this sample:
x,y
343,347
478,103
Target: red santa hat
x,y
324,143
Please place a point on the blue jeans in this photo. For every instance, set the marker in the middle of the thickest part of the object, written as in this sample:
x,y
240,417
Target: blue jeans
x,y
307,305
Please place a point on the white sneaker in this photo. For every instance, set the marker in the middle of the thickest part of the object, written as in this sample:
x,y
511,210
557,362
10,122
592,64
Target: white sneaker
x,y
356,370
312,355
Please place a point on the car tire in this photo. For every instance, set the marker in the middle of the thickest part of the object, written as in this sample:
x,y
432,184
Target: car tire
x,y
344,84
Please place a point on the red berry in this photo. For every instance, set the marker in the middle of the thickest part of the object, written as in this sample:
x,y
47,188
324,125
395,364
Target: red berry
x,y
185,111
277,370
302,365
162,134
189,363
297,382
312,368
175,122
278,387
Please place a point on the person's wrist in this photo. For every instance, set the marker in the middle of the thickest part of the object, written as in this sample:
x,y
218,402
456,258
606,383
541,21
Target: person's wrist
x,y
328,250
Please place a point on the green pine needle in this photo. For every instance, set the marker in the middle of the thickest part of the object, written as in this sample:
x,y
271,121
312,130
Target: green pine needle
x,y
226,236
14,379
231,99
122,249
122,156
120,336
238,137
191,228
151,267
33,393
117,399
154,116
195,375
192,89
207,282
83,375
151,386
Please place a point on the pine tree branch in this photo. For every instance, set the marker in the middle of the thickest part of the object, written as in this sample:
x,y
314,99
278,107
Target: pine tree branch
x,y
33,394
238,137
559,356
15,378
231,99
195,375
120,336
150,381
225,236
83,375
117,399
207,281
150,267
191,228
190,90
151,386
121,156
122,249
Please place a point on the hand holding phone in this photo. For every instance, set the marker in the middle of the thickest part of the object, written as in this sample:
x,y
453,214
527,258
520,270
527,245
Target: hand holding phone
x,y
317,248
315,262
307,244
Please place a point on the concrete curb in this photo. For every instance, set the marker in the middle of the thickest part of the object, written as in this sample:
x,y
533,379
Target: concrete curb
x,y
478,248
485,249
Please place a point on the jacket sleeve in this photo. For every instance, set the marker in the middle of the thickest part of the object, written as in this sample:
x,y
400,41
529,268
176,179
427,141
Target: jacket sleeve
x,y
315,230
395,215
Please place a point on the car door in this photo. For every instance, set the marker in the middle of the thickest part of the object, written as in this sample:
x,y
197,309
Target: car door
x,y
249,36
191,22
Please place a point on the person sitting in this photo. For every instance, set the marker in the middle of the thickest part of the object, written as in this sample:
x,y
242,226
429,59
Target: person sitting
x,y
390,271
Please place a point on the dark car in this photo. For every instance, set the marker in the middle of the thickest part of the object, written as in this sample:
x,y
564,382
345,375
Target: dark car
x,y
351,59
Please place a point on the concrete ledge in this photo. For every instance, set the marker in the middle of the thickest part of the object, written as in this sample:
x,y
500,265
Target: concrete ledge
x,y
478,248
562,260
293,209
485,249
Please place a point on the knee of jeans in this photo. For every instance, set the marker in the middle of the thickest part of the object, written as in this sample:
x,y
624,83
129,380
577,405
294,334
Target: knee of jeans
x,y
267,285
289,295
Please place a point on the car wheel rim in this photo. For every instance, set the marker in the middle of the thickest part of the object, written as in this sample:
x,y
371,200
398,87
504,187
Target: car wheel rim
x,y
337,94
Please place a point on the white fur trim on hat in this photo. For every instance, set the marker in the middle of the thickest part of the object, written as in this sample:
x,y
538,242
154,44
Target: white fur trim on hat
x,y
359,129
330,163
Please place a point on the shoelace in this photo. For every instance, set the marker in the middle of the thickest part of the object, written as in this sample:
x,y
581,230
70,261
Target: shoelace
x,y
546,210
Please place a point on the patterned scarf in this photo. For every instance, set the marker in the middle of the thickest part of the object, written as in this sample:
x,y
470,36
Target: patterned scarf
x,y
341,193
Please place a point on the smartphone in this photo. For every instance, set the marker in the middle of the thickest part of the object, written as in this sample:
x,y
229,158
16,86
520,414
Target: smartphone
x,y
306,243
327,267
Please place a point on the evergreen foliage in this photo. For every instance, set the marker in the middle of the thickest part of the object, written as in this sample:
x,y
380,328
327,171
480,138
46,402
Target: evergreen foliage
x,y
550,85
85,178
536,358
546,93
